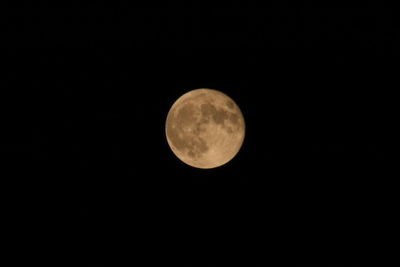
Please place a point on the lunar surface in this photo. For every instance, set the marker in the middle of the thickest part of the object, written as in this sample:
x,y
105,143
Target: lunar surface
x,y
205,128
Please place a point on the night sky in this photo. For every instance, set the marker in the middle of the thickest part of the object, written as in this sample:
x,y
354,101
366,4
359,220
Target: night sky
x,y
95,85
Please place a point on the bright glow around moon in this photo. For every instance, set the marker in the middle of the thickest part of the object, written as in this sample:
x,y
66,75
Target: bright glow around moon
x,y
205,128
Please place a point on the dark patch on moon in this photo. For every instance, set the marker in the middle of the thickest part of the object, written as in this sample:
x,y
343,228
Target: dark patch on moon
x,y
230,104
204,121
234,118
207,110
185,115
191,154
198,129
220,116
202,146
200,125
196,147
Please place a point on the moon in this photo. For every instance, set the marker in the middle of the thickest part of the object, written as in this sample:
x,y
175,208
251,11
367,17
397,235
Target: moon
x,y
205,128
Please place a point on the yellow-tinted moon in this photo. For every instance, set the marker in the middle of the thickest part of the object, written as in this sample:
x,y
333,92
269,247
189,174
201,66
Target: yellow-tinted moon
x,y
205,128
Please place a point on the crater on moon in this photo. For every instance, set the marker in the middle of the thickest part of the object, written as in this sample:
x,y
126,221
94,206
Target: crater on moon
x,y
205,128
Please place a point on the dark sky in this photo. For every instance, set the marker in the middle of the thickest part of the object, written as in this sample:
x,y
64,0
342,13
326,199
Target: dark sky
x,y
94,86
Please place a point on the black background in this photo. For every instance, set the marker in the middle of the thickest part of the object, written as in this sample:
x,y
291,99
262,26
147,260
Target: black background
x,y
93,85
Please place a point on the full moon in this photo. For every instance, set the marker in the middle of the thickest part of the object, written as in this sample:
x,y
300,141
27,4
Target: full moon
x,y
205,128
